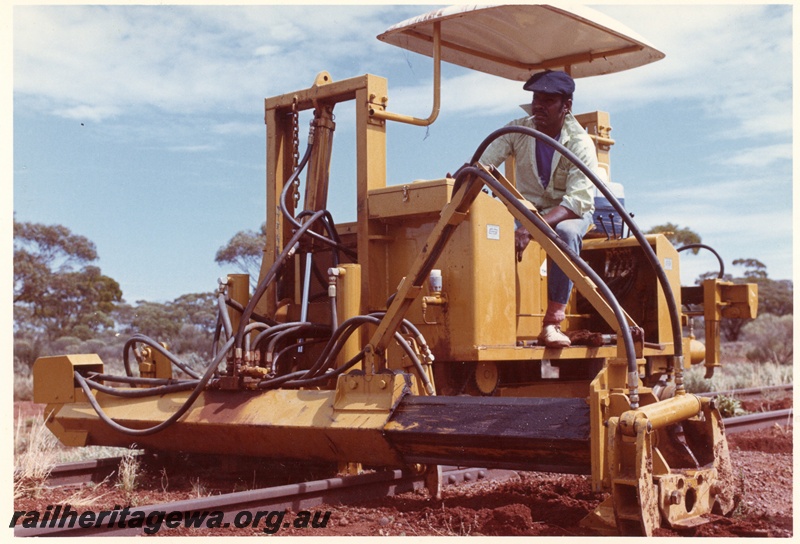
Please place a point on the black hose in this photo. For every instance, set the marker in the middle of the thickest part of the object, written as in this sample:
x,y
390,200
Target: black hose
x,y
140,338
286,349
327,376
333,241
308,331
334,346
254,316
142,392
627,338
133,380
224,315
332,349
201,384
263,335
217,335
721,272
271,273
648,251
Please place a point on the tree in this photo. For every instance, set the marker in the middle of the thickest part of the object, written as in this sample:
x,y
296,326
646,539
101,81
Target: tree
x,y
153,319
185,324
754,269
678,236
245,250
57,289
772,339
41,250
198,310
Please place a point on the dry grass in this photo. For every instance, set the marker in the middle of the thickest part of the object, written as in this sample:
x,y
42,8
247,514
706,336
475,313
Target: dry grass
x,y
737,375
199,489
35,455
128,472
86,496
23,386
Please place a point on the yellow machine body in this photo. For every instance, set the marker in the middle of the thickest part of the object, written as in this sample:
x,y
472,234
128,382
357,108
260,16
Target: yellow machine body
x,y
448,370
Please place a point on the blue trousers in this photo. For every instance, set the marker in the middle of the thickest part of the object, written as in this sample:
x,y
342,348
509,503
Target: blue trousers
x,y
571,231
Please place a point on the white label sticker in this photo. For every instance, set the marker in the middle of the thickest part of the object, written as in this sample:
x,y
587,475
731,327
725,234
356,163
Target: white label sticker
x,y
493,232
667,264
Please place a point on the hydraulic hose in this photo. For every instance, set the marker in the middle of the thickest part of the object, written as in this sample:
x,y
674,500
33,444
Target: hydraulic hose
x,y
287,379
132,380
144,392
327,376
627,338
254,316
332,349
261,288
306,342
367,319
648,251
140,338
721,273
333,241
263,335
308,331
199,387
217,335
223,313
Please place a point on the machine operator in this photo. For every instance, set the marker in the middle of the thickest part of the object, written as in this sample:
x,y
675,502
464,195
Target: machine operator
x,y
559,190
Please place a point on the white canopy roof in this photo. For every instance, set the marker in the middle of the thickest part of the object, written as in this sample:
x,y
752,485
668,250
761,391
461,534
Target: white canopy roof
x,y
516,41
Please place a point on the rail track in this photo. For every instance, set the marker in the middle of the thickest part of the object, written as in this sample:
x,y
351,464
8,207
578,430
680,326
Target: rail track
x,y
749,392
339,490
294,497
761,420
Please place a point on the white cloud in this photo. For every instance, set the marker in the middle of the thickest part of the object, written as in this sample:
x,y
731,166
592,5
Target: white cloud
x,y
757,157
87,113
733,60
116,60
238,128
107,61
191,148
268,50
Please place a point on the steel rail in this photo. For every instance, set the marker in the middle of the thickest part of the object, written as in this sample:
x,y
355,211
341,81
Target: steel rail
x,y
294,497
758,420
749,392
83,472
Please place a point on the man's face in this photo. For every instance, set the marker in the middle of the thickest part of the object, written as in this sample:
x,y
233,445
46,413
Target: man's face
x,y
549,111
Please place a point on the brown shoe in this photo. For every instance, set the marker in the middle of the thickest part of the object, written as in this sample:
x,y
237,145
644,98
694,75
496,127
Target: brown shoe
x,y
552,337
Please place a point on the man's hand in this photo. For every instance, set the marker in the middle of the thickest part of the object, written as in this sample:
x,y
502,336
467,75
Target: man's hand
x,y
521,240
559,214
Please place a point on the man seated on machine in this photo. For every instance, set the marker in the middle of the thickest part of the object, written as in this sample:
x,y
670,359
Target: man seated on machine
x,y
559,190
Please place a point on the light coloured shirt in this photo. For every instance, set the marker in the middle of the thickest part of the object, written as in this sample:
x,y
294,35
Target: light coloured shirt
x,y
568,187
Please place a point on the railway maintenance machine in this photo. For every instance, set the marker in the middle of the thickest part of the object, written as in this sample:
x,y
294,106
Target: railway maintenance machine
x,y
408,337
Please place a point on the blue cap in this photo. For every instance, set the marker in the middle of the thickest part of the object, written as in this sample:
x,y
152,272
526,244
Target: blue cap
x,y
554,82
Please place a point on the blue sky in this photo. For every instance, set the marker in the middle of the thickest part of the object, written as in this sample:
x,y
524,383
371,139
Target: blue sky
x,y
141,127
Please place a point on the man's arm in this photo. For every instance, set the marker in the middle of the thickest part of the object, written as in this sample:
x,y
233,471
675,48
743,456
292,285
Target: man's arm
x,y
555,216
559,214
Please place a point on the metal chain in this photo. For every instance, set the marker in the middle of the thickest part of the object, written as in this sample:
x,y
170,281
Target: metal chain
x,y
295,149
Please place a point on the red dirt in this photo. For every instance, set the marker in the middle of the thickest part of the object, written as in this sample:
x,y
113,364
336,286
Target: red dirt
x,y
529,504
